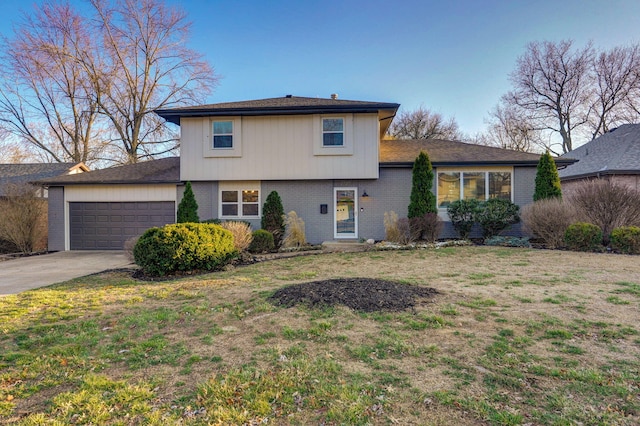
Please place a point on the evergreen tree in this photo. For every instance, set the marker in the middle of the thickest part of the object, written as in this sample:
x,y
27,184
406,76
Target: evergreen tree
x,y
188,207
547,179
273,217
422,200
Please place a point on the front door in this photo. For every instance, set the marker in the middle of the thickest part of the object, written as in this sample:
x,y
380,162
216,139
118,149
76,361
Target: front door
x,y
346,212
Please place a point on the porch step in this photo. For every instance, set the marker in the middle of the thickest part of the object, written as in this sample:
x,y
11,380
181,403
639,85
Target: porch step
x,y
344,245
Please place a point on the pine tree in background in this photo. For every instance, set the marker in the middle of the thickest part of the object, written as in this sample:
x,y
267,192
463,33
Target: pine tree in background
x,y
422,200
188,207
547,179
273,217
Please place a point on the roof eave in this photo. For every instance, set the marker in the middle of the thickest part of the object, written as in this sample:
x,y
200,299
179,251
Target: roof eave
x,y
174,115
600,173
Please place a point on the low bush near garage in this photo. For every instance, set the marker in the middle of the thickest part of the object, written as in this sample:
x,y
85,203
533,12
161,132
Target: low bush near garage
x,y
184,247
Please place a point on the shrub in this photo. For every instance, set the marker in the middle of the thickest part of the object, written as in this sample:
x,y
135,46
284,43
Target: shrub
x,y
626,239
407,234
184,247
391,231
188,207
507,241
400,231
548,219
262,242
214,221
495,215
462,214
23,218
241,232
294,234
582,236
422,200
128,247
606,204
427,227
547,183
273,217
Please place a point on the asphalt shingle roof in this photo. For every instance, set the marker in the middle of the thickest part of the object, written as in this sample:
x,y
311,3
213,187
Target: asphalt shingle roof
x,y
34,172
453,153
615,152
164,170
271,106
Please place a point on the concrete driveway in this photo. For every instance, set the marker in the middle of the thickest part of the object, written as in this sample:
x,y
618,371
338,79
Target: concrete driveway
x,y
26,273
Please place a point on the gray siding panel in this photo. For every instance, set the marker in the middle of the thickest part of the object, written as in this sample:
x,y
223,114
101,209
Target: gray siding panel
x,y
56,218
305,198
206,194
523,185
391,192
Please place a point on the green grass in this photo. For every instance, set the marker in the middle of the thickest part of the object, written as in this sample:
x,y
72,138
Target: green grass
x,y
515,350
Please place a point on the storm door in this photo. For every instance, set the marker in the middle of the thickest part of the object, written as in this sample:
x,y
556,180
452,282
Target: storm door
x,y
346,213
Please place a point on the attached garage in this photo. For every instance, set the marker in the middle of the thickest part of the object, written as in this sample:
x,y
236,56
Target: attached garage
x,y
107,225
101,209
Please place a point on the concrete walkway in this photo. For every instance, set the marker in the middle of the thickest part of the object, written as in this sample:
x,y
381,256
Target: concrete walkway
x,y
26,273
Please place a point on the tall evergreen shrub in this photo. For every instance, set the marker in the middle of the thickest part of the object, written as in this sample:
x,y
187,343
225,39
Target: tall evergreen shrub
x,y
273,217
422,200
547,179
188,207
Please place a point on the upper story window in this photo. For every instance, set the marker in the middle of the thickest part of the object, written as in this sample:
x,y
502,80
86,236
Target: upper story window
x,y
479,185
332,132
222,134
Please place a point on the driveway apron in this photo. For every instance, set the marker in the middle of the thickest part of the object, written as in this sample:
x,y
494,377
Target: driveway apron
x,y
26,273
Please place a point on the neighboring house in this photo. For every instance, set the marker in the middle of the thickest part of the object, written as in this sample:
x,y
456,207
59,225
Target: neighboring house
x,y
614,156
325,157
14,174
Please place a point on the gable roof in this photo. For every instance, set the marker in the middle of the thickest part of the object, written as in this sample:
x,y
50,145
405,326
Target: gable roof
x,y
33,172
403,152
287,105
615,152
164,170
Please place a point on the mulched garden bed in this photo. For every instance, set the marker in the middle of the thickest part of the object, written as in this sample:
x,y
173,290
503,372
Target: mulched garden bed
x,y
360,294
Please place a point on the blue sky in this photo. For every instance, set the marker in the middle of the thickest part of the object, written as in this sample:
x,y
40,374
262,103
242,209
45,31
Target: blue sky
x,y
452,57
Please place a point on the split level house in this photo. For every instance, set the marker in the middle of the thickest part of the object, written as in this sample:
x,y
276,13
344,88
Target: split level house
x,y
327,159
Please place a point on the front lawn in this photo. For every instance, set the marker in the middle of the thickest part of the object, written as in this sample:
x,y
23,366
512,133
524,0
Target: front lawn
x,y
514,336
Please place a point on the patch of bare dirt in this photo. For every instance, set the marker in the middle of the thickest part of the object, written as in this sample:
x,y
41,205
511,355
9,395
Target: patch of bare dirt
x,y
360,294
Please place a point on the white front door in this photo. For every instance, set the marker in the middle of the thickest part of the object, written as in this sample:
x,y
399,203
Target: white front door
x,y
345,202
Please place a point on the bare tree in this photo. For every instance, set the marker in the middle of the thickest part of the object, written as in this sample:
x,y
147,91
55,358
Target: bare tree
x,y
424,124
45,97
87,85
550,87
616,75
145,65
506,129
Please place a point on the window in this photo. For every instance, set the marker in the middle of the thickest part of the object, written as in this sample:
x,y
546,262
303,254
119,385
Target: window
x,y
453,186
332,132
240,203
222,134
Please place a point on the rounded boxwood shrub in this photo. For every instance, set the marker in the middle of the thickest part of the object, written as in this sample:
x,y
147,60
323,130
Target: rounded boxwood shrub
x,y
462,214
184,247
495,215
262,242
626,239
582,236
